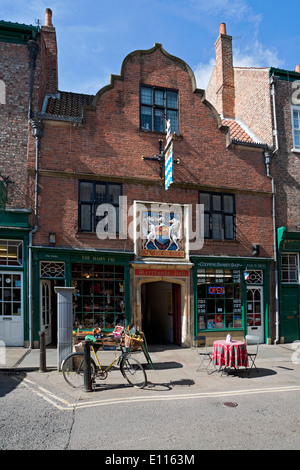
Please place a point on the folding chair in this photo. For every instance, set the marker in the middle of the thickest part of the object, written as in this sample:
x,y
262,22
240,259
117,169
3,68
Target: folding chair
x,y
204,354
252,353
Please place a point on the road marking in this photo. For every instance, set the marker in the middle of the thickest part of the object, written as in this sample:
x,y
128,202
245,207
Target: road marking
x,y
64,405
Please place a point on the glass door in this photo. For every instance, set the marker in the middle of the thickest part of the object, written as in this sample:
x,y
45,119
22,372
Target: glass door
x,y
255,320
11,309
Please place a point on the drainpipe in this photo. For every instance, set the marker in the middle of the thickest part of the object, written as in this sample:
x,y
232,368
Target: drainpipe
x,y
37,133
268,156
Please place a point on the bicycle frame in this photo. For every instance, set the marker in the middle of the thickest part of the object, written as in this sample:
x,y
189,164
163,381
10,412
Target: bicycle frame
x,y
110,365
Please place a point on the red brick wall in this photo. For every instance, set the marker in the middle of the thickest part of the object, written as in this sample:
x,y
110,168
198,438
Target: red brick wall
x,y
110,144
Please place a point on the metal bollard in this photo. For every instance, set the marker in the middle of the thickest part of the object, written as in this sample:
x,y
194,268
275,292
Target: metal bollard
x,y
42,335
87,366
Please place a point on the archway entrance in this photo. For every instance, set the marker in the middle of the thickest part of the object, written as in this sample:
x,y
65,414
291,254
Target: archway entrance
x,y
161,312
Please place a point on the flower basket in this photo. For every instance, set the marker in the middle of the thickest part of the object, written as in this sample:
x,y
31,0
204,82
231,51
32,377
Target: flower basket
x,y
133,343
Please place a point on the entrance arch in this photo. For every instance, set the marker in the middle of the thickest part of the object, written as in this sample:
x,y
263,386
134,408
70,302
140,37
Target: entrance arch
x,y
162,290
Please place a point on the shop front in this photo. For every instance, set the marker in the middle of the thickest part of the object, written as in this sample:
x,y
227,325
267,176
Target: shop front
x,y
289,285
14,325
102,291
231,296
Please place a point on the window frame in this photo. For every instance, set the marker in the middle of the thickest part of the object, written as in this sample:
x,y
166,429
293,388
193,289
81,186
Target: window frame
x,y
288,280
295,108
14,250
94,204
221,212
219,299
154,106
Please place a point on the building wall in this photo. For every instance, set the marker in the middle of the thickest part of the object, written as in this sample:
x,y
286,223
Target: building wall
x,y
14,71
286,163
252,99
110,145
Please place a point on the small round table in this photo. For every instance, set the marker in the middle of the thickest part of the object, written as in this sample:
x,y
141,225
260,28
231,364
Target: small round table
x,y
230,354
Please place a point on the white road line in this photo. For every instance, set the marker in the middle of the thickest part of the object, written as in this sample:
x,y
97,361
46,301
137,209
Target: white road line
x,y
64,405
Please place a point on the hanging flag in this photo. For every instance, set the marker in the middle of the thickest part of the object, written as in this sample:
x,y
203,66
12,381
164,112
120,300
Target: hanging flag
x,y
169,165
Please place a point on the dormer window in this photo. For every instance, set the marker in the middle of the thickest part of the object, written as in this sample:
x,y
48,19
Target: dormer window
x,y
157,105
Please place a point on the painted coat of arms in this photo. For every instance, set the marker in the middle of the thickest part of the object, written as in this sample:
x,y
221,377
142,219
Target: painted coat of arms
x,y
162,234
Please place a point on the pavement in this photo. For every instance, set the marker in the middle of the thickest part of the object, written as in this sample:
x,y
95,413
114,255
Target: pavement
x,y
174,371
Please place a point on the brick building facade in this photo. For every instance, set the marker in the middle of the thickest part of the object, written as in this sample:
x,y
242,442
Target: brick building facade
x,y
266,100
106,225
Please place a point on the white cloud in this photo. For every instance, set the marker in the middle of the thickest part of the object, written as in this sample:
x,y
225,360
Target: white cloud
x,y
256,56
203,73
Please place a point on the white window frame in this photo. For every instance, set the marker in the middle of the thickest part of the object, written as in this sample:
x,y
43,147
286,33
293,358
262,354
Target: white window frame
x,y
296,148
289,280
18,245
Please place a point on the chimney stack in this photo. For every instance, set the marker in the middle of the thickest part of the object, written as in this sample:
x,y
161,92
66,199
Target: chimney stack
x,y
225,74
48,17
297,69
50,56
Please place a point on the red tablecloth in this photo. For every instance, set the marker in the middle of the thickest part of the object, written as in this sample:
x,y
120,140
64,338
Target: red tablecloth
x,y
233,354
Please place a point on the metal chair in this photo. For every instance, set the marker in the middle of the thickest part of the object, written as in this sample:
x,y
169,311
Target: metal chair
x,y
252,353
204,354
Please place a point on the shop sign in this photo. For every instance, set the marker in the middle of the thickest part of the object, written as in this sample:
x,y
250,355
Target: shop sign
x,y
162,272
216,290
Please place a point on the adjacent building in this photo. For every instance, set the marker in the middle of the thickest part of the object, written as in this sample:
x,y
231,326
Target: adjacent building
x,y
267,100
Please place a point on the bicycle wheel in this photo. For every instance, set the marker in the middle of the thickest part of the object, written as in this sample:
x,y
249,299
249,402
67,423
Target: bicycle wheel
x,y
73,369
133,371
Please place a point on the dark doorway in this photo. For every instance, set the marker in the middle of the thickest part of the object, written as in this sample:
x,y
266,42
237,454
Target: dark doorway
x,y
161,312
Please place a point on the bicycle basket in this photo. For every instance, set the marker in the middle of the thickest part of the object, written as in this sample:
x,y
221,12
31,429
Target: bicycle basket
x,y
133,344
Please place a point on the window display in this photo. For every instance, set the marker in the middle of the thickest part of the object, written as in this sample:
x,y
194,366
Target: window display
x,y
219,299
99,299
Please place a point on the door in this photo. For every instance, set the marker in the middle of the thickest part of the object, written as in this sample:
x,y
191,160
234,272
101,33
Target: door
x,y
45,309
255,318
289,317
176,294
11,309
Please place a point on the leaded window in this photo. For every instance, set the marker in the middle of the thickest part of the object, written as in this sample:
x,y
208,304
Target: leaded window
x,y
93,194
157,106
219,215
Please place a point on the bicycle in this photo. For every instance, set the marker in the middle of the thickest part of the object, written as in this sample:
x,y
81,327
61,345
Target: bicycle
x,y
131,369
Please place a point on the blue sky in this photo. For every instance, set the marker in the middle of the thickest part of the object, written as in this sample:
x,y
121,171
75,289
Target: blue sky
x,y
94,36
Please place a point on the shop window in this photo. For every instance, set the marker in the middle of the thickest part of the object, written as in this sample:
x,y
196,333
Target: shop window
x,y
219,215
157,106
290,268
218,299
93,194
10,294
11,253
99,299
